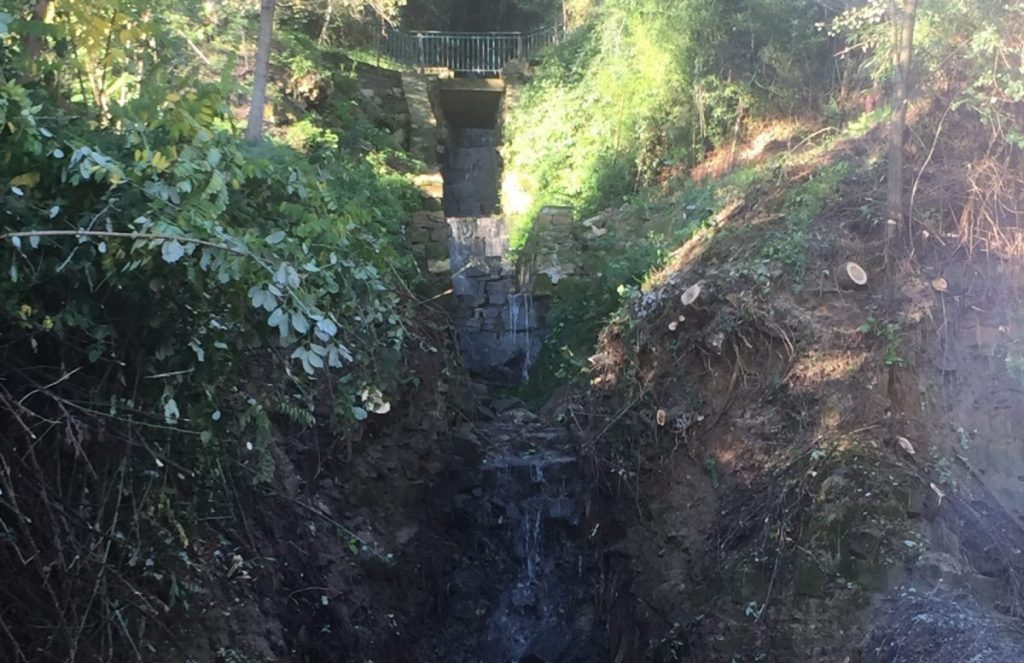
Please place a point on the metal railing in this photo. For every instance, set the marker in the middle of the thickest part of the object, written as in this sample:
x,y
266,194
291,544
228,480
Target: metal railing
x,y
466,52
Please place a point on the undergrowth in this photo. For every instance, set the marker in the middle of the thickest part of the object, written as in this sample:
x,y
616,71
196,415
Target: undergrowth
x,y
643,87
173,299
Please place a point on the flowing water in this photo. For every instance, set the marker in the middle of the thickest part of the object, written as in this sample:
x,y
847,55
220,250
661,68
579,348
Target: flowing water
x,y
521,590
521,321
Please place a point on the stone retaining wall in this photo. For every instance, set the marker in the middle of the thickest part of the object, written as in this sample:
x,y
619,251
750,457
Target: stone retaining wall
x,y
552,251
497,322
497,305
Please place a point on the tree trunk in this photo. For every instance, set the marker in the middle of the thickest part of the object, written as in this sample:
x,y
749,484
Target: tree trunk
x,y
903,41
322,39
254,130
33,44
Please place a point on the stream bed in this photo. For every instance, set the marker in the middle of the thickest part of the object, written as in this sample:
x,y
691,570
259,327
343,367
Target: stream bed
x,y
521,590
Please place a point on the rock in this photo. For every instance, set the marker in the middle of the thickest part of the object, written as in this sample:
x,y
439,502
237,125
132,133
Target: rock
x,y
935,568
398,138
438,251
915,504
503,405
562,508
989,591
438,266
520,416
405,534
420,445
864,545
939,628
465,433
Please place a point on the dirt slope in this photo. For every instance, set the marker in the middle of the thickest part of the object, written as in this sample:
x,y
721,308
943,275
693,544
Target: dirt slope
x,y
801,472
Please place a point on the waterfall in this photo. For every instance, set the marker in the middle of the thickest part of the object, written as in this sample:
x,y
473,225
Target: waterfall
x,y
521,322
460,253
521,573
495,316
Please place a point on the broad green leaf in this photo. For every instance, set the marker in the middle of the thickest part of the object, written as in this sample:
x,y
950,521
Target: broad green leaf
x,y
327,327
359,413
281,275
275,238
172,251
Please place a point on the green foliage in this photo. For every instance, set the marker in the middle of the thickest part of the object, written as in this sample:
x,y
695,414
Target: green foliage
x,y
788,246
230,254
171,300
646,84
572,328
890,334
974,42
711,468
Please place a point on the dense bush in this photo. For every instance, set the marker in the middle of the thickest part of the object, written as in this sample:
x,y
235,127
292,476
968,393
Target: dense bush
x,y
170,296
644,84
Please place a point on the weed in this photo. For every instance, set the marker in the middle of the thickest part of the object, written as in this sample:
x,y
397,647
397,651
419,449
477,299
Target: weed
x,y
803,204
711,467
890,333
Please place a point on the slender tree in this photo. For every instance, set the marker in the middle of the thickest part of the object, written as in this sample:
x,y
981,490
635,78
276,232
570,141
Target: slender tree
x,y
254,130
33,43
903,19
328,13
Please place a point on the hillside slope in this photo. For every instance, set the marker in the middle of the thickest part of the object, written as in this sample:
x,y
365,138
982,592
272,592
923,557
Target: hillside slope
x,y
801,471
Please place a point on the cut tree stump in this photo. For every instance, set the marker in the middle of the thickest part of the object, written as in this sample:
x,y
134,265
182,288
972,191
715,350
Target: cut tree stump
x,y
851,276
691,295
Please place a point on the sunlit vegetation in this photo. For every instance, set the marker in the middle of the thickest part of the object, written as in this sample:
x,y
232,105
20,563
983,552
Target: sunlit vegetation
x,y
639,93
638,87
170,290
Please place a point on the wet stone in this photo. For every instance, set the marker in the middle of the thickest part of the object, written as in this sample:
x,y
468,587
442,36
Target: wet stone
x,y
522,583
